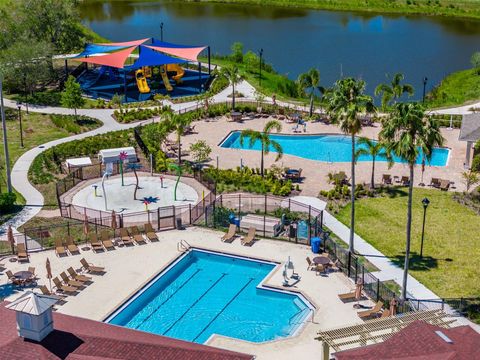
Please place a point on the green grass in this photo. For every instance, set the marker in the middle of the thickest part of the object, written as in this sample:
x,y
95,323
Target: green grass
x,y
451,250
456,8
456,89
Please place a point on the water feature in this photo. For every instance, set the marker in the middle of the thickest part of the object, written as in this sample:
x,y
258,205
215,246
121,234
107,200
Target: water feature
x,y
294,40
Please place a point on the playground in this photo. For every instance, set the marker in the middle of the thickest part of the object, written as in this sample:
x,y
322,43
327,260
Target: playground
x,y
138,70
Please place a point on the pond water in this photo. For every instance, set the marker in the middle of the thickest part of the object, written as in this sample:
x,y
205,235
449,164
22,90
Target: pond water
x,y
294,40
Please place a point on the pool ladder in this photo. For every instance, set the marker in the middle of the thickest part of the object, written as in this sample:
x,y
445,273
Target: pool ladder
x,y
183,246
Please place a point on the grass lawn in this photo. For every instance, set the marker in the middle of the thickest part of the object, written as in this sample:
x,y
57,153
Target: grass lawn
x,y
451,251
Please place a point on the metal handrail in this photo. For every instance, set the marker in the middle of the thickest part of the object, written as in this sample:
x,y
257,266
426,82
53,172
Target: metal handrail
x,y
183,246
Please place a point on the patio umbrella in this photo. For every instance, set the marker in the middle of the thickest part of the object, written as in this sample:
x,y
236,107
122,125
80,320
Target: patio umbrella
x,y
49,272
10,238
114,220
85,225
393,307
358,289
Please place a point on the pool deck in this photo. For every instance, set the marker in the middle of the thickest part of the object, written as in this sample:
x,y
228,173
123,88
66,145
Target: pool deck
x,y
315,172
129,268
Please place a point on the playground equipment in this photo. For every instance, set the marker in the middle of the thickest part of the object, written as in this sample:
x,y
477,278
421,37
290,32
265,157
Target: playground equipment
x,y
166,81
142,82
178,169
180,72
147,70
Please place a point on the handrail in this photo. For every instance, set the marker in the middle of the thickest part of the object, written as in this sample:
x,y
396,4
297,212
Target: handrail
x,y
295,315
183,246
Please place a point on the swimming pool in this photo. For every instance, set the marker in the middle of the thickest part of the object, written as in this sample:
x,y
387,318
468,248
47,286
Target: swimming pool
x,y
205,293
327,148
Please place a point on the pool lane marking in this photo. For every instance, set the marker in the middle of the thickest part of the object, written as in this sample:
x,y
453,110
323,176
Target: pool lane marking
x,y
223,309
171,295
195,303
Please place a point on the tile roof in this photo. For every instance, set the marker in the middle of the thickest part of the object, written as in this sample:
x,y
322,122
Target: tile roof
x,y
420,342
81,339
470,129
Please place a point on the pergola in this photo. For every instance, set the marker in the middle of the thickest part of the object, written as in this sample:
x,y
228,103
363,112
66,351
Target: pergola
x,y
470,132
376,331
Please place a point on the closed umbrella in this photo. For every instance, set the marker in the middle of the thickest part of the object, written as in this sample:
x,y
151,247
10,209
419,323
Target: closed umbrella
x,y
49,272
85,225
393,307
10,238
358,292
114,220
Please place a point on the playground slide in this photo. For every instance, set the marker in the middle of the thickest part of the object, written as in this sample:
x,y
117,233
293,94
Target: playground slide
x,y
147,70
165,79
142,82
179,70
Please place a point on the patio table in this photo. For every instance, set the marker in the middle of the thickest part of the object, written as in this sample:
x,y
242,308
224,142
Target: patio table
x,y
23,275
321,260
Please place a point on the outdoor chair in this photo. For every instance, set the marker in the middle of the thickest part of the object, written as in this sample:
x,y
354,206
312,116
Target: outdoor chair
x,y
96,244
71,246
74,275
22,252
444,185
435,182
60,248
45,291
250,238
385,313
125,237
107,240
13,279
32,270
91,268
387,179
347,296
64,288
68,281
135,233
368,313
229,236
150,232
405,181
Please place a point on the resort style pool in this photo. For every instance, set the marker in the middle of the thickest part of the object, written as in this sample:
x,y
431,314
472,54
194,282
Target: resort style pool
x,y
327,148
205,293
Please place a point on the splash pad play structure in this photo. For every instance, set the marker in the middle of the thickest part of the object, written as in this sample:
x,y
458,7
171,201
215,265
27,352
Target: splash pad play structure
x,y
140,69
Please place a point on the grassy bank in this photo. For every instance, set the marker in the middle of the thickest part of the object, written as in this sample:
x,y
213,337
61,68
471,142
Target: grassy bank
x,y
451,238
460,8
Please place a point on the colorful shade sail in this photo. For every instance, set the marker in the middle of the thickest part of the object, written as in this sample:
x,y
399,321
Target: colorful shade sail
x,y
149,57
98,49
183,51
116,59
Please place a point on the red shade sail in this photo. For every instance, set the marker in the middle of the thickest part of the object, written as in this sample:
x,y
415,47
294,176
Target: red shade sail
x,y
184,53
116,59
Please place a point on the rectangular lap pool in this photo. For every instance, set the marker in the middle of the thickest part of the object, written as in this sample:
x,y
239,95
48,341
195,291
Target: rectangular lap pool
x,y
325,147
205,293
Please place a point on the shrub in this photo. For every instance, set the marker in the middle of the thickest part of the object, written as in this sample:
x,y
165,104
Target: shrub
x,y
7,202
73,124
200,151
476,163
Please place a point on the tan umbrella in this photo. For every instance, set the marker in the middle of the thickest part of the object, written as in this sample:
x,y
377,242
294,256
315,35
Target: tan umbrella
x,y
114,220
49,272
393,307
85,224
10,238
358,289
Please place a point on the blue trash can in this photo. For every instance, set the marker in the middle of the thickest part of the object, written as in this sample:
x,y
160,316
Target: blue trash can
x,y
315,243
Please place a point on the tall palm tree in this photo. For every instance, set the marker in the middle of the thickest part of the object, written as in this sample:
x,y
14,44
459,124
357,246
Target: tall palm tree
x,y
375,149
345,102
308,83
264,138
408,134
232,73
178,124
394,90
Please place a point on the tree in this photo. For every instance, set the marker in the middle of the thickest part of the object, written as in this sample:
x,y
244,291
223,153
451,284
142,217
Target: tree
x,y
475,61
471,178
237,52
232,73
117,100
72,95
394,90
308,84
252,61
408,134
345,102
375,150
264,139
178,124
200,151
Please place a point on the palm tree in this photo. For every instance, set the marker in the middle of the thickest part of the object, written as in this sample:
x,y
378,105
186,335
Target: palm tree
x,y
375,150
409,134
232,73
264,138
178,124
394,90
308,83
345,102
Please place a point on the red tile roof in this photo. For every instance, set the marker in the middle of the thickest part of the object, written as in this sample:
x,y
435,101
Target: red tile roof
x,y
420,341
83,339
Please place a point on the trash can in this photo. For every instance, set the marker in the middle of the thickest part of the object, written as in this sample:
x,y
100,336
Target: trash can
x,y
179,224
315,243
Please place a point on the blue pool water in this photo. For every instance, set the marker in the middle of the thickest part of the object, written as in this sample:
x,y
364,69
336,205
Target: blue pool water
x,y
206,293
328,148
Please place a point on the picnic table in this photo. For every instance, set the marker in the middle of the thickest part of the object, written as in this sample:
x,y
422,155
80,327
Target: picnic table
x,y
322,260
236,116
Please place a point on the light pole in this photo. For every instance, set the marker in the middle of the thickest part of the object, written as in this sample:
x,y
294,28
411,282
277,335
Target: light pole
x,y
425,203
21,129
5,141
161,31
260,72
425,79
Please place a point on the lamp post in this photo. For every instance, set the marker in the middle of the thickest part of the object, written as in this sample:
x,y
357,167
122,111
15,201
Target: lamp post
x,y
20,119
161,31
260,72
425,203
425,79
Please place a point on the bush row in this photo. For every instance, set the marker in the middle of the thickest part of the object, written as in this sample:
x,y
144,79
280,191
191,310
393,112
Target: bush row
x,y
73,124
128,116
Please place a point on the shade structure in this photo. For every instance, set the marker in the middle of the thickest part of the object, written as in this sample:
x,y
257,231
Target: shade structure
x,y
98,49
149,57
127,43
183,51
116,59
32,303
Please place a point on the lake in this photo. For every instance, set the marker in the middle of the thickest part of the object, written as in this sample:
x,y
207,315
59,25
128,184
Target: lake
x,y
337,43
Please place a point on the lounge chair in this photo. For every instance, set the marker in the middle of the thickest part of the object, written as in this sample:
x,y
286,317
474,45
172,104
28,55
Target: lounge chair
x,y
45,291
229,236
63,288
347,296
68,281
74,275
32,270
22,252
435,182
107,240
96,244
135,233
60,248
387,179
149,232
91,268
126,239
368,313
444,185
71,245
405,181
311,265
385,313
250,238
